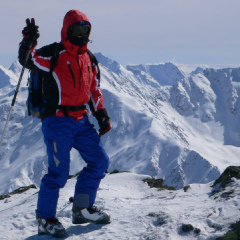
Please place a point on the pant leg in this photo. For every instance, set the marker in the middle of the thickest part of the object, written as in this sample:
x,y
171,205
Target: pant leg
x,y
88,143
58,137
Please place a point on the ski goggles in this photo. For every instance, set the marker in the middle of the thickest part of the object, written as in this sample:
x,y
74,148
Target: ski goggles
x,y
80,30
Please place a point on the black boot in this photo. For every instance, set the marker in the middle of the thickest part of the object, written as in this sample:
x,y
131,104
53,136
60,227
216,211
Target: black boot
x,y
91,214
51,226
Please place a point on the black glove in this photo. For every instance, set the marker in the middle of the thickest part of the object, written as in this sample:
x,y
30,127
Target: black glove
x,y
103,121
30,32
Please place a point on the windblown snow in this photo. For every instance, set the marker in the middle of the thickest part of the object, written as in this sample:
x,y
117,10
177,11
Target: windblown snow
x,y
166,124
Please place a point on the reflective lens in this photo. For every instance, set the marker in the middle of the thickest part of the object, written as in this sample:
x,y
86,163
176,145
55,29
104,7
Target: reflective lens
x,y
80,30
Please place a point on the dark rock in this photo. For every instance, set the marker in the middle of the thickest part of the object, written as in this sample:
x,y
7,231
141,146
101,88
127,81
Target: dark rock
x,y
186,188
157,183
233,234
17,191
159,218
227,194
23,189
117,171
154,183
73,176
4,196
196,230
187,227
226,177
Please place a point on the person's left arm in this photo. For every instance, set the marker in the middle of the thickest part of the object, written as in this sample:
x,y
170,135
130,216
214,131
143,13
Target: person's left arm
x,y
96,102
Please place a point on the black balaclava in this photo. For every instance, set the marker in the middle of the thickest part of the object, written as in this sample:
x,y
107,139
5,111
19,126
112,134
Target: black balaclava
x,y
78,41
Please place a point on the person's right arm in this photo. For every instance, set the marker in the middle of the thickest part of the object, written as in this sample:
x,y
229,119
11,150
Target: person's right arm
x,y
38,60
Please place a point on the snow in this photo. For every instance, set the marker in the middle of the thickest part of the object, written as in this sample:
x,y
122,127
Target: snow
x,y
182,126
137,211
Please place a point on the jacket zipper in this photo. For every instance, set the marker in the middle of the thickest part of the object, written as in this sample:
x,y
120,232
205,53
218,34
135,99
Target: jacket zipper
x,y
70,69
80,76
89,72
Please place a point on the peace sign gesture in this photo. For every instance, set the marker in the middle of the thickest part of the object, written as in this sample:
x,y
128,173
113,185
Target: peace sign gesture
x,y
30,32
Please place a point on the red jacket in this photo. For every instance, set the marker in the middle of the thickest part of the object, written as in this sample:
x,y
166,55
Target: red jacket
x,y
77,80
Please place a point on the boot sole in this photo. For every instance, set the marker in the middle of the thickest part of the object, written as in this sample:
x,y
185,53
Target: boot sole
x,y
82,221
60,234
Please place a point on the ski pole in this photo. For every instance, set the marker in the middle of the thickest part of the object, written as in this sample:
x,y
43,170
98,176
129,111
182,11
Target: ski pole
x,y
15,95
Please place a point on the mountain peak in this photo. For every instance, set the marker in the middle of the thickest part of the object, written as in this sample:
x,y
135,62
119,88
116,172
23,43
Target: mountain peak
x,y
16,67
165,74
6,77
108,63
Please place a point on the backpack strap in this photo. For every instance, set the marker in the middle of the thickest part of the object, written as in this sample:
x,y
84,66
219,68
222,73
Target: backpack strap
x,y
55,56
94,62
92,58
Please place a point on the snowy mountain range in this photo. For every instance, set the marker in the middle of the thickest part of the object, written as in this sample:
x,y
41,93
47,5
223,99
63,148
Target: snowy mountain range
x,y
166,123
181,127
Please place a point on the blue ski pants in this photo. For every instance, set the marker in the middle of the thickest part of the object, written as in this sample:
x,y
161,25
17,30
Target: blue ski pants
x,y
61,134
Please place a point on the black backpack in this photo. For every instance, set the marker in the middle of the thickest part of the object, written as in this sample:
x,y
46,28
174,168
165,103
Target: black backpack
x,y
35,103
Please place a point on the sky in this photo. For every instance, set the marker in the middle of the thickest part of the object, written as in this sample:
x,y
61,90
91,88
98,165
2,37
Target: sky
x,y
193,32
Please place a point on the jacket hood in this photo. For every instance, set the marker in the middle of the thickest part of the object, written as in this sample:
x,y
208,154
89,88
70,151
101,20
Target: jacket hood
x,y
71,17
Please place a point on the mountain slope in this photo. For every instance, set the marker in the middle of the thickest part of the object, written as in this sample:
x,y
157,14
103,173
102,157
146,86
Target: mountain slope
x,y
182,128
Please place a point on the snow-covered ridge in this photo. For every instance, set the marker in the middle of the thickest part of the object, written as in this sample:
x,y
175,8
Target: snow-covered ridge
x,y
164,74
137,211
167,124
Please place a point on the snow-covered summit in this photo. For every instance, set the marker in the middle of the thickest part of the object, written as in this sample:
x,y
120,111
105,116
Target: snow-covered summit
x,y
16,67
7,77
108,63
164,74
197,70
